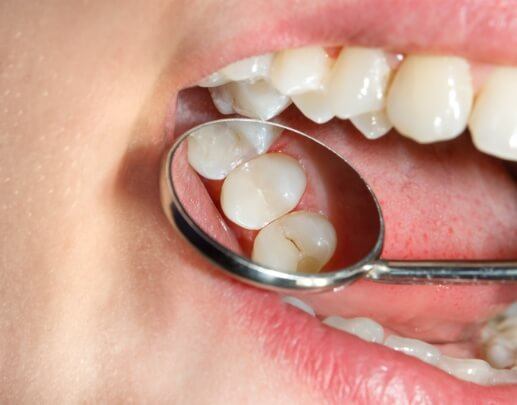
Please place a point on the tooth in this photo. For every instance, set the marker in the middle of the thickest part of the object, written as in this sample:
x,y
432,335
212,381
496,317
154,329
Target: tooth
x,y
315,105
213,80
364,328
493,122
298,242
256,100
372,125
222,99
430,98
416,348
296,71
262,190
215,151
250,68
500,352
473,370
359,80
298,303
504,377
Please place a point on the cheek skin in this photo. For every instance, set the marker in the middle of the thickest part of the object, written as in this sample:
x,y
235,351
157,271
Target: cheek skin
x,y
101,299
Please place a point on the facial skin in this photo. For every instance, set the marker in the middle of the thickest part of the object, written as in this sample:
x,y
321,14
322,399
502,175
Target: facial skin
x,y
101,299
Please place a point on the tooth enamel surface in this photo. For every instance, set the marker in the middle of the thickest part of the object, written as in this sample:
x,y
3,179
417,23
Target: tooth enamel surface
x,y
372,125
493,122
215,79
430,98
222,99
500,352
298,303
364,328
415,348
359,80
315,105
473,370
250,68
298,242
255,99
296,71
262,190
214,152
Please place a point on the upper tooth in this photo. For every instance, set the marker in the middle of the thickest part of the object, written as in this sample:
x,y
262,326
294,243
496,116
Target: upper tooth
x,y
250,68
254,99
500,352
215,79
222,98
473,370
262,190
431,97
414,347
298,303
365,328
214,151
298,242
296,71
359,80
315,105
372,125
493,122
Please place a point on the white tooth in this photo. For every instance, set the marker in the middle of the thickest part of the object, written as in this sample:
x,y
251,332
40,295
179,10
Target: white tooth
x,y
315,105
473,370
504,377
298,303
414,347
256,100
213,80
261,136
364,328
372,125
359,80
250,68
222,99
493,122
296,71
262,190
298,242
511,311
431,97
500,352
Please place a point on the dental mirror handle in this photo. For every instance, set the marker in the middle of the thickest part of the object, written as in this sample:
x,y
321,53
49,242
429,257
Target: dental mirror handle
x,y
441,272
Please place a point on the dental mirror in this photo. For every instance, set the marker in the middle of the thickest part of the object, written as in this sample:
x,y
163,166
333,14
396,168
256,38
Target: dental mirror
x,y
253,197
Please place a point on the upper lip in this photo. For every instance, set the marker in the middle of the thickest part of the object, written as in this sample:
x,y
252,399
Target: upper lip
x,y
485,31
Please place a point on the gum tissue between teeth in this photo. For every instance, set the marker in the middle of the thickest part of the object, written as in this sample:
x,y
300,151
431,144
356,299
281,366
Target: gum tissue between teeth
x,y
427,98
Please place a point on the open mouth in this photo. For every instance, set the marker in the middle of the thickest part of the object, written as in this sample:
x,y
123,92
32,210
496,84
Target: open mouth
x,y
435,136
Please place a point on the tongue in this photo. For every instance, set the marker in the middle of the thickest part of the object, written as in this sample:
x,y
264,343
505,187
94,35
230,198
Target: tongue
x,y
440,201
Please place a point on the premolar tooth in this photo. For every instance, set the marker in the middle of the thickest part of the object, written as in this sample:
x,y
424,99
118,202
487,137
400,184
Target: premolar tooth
x,y
364,328
215,151
372,125
253,99
296,71
500,352
298,303
222,99
431,97
414,347
213,80
262,190
298,242
493,122
249,69
359,80
473,370
315,105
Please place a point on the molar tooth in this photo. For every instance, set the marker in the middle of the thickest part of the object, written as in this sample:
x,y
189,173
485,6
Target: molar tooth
x,y
296,71
372,125
473,370
414,347
504,377
298,303
215,151
249,69
359,80
298,242
500,352
493,122
364,328
213,80
262,190
431,97
254,99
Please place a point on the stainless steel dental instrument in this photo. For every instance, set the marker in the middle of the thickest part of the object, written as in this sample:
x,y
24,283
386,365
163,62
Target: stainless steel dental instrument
x,y
359,209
